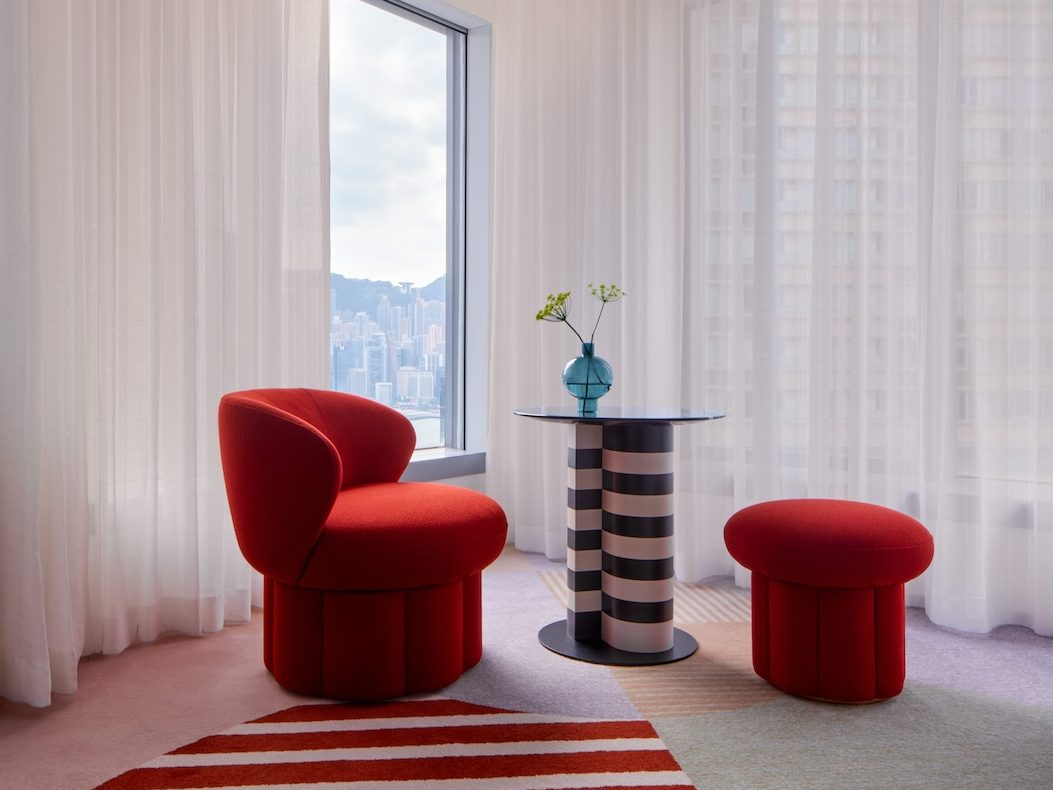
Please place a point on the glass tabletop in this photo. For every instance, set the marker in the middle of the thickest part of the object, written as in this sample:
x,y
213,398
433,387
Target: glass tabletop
x,y
617,414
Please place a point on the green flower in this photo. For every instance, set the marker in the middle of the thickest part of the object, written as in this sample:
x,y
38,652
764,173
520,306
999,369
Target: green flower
x,y
606,293
557,306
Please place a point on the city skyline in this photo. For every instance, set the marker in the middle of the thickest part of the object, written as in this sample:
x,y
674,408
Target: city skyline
x,y
388,160
389,345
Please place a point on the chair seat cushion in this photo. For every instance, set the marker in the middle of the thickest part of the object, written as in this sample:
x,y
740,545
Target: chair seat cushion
x,y
389,536
829,543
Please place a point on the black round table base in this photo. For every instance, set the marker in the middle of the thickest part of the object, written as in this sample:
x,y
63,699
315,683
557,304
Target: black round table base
x,y
554,636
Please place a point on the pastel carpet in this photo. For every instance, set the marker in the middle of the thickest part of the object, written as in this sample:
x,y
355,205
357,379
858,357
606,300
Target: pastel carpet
x,y
976,712
431,743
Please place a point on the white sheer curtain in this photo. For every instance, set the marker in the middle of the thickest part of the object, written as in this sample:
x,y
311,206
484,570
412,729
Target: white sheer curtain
x,y
870,223
163,239
587,141
833,219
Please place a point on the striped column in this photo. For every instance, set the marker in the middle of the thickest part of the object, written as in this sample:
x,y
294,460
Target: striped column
x,y
584,530
637,562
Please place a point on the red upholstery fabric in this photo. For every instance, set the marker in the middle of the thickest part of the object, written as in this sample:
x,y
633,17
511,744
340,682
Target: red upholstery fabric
x,y
829,643
374,443
832,631
373,645
371,587
393,535
282,477
829,543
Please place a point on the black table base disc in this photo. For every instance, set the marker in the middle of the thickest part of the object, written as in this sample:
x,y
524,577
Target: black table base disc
x,y
554,636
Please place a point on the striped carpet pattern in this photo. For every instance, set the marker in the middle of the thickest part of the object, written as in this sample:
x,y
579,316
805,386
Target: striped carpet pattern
x,y
693,603
413,745
718,677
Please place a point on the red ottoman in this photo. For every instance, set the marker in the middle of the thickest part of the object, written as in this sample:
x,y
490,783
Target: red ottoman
x,y
828,608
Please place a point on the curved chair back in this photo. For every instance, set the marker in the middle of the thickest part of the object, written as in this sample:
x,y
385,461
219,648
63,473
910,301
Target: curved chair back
x,y
287,452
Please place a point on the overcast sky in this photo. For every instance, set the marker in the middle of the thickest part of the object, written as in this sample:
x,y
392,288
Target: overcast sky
x,y
387,104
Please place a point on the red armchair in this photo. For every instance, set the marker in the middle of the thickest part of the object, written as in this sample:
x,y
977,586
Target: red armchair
x,y
371,586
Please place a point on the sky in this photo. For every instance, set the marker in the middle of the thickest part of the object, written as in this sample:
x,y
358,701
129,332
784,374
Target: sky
x,y
387,106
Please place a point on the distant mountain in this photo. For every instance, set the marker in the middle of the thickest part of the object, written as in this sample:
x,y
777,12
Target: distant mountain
x,y
436,291
362,296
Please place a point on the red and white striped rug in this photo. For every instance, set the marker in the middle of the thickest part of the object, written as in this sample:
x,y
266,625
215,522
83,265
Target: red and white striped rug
x,y
432,743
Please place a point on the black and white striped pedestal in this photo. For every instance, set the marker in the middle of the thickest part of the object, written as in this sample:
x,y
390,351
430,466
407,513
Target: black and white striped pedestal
x,y
584,531
637,558
620,547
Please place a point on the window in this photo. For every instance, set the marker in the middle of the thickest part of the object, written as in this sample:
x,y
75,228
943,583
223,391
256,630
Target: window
x,y
410,206
395,134
409,211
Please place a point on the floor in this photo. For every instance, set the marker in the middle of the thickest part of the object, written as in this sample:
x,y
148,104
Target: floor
x,y
977,711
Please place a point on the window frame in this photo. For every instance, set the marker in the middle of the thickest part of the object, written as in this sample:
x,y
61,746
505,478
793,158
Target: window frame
x,y
468,243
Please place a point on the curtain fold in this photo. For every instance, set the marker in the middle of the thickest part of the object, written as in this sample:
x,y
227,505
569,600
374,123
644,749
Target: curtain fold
x,y
165,240
832,219
587,142
896,289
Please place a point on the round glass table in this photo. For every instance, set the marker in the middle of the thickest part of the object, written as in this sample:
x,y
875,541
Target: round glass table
x,y
619,536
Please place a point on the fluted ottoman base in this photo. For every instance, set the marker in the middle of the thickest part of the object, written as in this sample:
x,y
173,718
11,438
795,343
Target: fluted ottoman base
x,y
828,643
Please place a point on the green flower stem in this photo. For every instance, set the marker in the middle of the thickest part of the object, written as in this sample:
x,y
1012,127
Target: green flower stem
x,y
557,307
596,325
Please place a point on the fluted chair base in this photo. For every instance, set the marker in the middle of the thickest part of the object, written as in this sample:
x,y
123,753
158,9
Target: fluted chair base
x,y
373,645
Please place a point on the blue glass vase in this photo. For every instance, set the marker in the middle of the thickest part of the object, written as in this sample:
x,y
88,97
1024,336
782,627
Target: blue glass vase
x,y
588,378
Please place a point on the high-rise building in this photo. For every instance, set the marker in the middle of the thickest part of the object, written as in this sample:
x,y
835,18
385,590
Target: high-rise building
x,y
435,336
395,356
382,392
428,313
358,382
376,362
384,314
415,386
365,326
407,354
